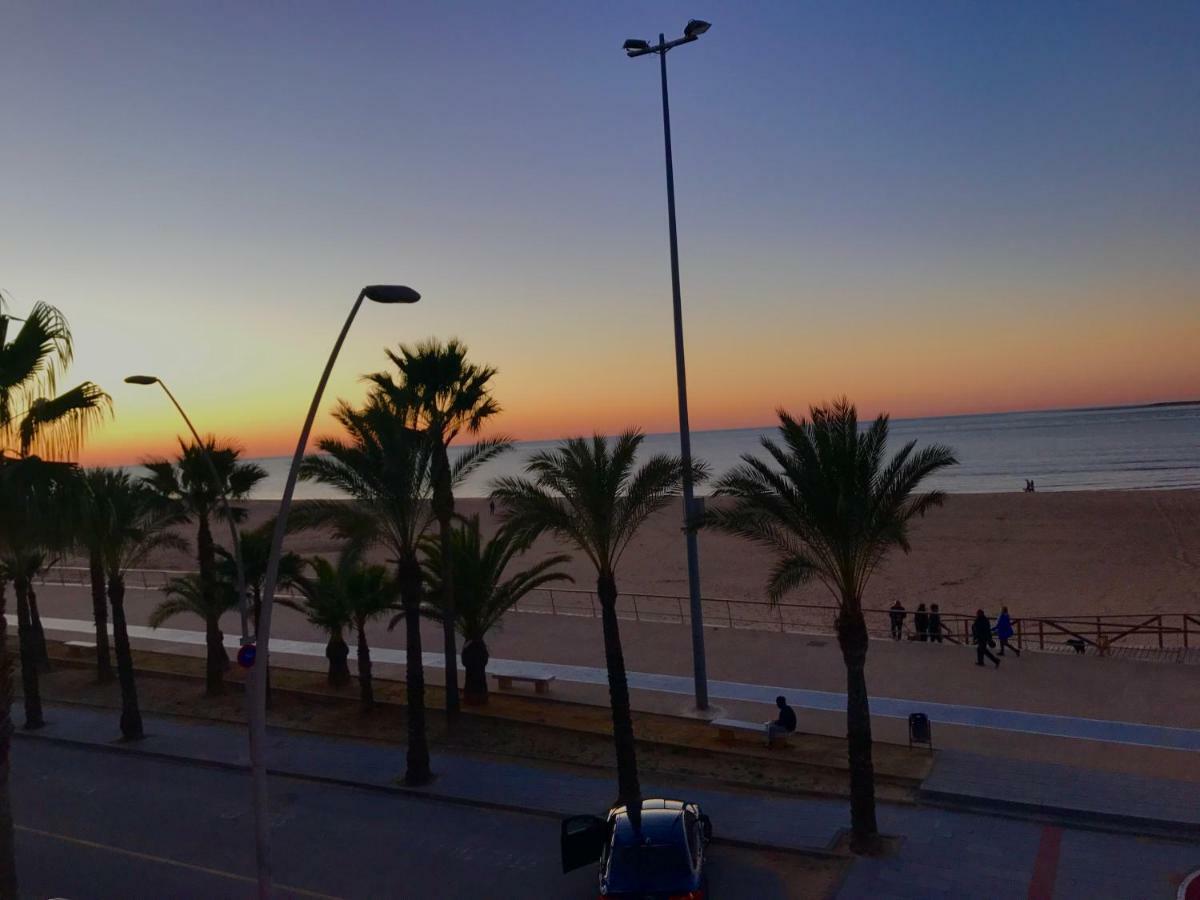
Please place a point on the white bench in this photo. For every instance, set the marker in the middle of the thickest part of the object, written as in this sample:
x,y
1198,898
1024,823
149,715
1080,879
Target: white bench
x,y
541,683
727,730
77,648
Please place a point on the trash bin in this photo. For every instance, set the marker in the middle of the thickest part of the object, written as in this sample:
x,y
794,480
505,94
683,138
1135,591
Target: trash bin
x,y
919,730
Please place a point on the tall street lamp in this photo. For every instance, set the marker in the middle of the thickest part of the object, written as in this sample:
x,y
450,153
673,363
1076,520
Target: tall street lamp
x,y
219,487
378,293
691,510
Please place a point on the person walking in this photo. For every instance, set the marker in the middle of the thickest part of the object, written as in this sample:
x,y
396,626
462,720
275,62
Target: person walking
x,y
981,633
921,621
897,614
935,624
1004,631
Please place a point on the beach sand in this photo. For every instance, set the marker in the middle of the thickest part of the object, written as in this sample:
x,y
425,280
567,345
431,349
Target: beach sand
x,y
1047,554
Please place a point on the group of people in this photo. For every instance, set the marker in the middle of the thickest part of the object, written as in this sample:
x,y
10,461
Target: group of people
x,y
927,626
927,623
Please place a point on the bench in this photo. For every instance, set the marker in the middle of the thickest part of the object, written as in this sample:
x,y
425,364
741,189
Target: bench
x,y
727,730
541,683
77,648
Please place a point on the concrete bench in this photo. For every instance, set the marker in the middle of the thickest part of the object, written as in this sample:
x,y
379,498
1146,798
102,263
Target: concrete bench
x,y
541,683
77,648
727,730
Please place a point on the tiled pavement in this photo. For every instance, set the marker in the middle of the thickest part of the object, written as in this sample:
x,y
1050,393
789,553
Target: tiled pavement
x,y
1132,733
942,853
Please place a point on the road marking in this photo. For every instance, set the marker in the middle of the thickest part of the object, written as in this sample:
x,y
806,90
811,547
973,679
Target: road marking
x,y
149,857
1045,864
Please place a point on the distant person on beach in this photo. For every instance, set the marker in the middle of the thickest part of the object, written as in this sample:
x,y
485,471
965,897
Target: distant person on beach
x,y
492,506
921,621
897,614
935,624
981,633
785,724
1004,631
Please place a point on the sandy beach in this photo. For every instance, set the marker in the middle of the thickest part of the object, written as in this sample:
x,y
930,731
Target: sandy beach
x,y
1047,554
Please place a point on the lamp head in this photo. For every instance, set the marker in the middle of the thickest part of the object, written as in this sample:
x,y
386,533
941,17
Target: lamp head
x,y
633,45
141,379
390,293
695,28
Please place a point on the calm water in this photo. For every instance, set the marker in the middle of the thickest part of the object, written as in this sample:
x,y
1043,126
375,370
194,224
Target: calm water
x,y
1132,447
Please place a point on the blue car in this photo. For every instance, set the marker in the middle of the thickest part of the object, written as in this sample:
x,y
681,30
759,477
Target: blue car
x,y
664,860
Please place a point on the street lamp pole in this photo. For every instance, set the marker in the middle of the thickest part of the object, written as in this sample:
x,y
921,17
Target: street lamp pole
x,y
691,513
258,674
234,536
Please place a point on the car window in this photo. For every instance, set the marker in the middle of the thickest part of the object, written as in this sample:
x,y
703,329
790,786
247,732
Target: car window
x,y
649,868
693,837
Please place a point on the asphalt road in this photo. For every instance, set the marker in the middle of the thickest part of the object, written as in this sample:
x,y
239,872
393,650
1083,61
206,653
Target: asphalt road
x,y
94,824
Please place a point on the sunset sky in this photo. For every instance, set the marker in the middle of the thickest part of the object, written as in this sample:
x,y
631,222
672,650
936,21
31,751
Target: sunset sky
x,y
933,208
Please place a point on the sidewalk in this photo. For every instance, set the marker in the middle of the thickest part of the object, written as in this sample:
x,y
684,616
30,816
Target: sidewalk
x,y
1005,720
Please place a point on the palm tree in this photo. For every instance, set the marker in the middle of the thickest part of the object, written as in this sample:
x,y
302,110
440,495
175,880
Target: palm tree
x,y
90,535
346,595
186,594
482,594
444,395
188,484
831,507
256,550
384,467
589,494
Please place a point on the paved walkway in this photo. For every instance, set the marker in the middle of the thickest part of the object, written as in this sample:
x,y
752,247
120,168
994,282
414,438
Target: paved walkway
x,y
942,853
1078,728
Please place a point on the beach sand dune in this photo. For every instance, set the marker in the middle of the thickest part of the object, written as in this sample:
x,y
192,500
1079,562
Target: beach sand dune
x,y
1047,554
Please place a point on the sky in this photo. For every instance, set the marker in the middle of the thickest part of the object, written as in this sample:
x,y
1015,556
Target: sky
x,y
932,208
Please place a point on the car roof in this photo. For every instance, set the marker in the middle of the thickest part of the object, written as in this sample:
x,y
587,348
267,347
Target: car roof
x,y
661,823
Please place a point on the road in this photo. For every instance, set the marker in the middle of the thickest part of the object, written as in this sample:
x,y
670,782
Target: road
x,y
96,824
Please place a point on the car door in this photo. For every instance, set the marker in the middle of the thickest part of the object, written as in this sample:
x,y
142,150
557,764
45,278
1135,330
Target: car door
x,y
582,839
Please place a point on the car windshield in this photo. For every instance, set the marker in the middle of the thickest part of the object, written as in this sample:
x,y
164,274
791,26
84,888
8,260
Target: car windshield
x,y
649,868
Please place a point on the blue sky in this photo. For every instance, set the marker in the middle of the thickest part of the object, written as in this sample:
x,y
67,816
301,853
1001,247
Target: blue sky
x,y
1007,193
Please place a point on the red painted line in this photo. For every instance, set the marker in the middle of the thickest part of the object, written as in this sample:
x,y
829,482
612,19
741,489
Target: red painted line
x,y
1045,865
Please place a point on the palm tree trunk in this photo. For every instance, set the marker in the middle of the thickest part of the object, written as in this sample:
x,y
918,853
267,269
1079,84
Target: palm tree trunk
x,y
104,672
417,762
41,653
852,638
475,659
206,556
131,716
8,861
214,669
338,655
366,689
443,509
629,789
30,687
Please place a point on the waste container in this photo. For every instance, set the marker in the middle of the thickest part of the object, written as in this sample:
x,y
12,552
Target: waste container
x,y
919,730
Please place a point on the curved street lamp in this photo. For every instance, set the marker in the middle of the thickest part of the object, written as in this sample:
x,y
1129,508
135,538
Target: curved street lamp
x,y
691,509
234,535
377,293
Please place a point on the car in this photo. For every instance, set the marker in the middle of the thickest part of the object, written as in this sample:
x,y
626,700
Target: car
x,y
664,860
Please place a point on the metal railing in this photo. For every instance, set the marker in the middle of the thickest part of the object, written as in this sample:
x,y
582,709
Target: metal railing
x,y
1102,634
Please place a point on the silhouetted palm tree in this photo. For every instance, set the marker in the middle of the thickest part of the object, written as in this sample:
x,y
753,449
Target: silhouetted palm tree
x,y
347,595
134,523
256,550
831,506
186,594
90,528
444,396
482,594
588,493
188,484
384,466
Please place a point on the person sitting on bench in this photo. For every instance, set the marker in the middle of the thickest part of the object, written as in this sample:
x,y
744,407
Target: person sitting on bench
x,y
785,724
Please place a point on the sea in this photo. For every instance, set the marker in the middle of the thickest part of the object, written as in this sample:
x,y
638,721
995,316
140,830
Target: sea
x,y
1119,448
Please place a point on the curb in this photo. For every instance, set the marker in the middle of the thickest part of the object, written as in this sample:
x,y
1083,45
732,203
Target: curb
x,y
423,793
1093,820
